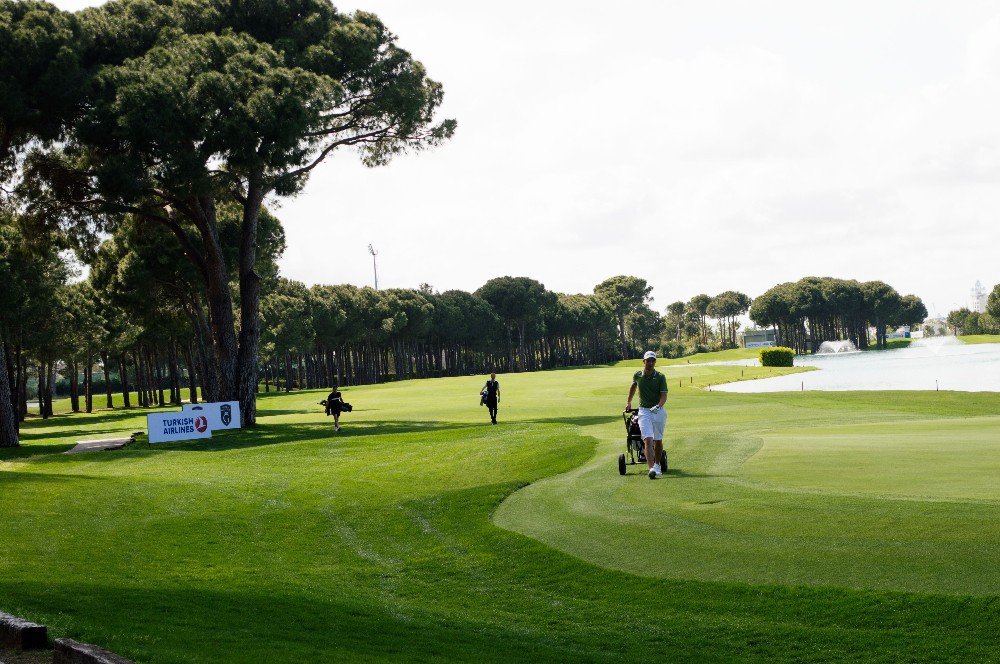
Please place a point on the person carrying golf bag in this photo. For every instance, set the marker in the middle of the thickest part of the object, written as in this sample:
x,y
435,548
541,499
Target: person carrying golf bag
x,y
490,396
335,405
652,387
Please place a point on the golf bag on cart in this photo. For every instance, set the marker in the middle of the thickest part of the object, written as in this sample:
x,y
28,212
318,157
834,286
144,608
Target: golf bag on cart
x,y
635,449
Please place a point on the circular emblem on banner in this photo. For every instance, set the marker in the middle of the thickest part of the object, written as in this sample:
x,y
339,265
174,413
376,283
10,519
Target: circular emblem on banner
x,y
200,423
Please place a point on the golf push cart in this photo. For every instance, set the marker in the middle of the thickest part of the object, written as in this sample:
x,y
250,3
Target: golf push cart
x,y
635,450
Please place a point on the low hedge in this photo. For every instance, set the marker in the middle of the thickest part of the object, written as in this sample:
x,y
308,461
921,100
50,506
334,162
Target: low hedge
x,y
778,356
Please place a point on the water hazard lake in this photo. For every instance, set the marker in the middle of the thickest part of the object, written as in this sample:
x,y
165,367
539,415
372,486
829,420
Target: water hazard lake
x,y
927,364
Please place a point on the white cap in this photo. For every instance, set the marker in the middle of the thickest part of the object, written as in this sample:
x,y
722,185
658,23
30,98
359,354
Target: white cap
x,y
649,354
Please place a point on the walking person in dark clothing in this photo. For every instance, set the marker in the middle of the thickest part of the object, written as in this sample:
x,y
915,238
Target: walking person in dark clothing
x,y
491,392
334,406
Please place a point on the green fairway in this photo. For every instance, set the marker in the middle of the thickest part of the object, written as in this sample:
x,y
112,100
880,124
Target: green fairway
x,y
831,489
938,459
799,527
981,338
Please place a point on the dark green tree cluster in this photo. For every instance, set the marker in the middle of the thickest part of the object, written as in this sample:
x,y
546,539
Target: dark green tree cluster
x,y
726,308
628,298
137,318
160,114
686,328
34,312
965,321
812,310
345,335
154,307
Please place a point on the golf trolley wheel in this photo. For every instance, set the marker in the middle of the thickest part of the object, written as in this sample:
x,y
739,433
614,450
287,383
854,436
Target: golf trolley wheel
x,y
621,464
663,460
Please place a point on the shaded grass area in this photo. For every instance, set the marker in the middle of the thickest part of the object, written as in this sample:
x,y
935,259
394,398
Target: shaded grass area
x,y
11,656
291,543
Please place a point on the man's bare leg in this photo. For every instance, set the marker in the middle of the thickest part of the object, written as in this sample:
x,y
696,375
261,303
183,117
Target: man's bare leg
x,y
650,459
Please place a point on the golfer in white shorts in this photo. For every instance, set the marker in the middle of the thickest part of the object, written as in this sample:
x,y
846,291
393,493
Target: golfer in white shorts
x,y
652,387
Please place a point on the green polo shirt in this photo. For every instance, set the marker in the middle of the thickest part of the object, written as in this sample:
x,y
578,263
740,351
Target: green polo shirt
x,y
650,387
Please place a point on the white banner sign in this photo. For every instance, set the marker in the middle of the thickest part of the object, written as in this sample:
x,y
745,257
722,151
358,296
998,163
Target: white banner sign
x,y
220,414
168,427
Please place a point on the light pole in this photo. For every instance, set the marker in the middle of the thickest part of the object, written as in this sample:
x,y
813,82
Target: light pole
x,y
371,250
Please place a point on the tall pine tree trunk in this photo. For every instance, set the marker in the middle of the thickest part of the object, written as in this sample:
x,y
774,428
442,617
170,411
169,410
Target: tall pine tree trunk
x,y
158,377
88,383
339,367
8,416
288,372
43,379
106,368
74,385
192,376
220,303
141,391
123,379
50,389
22,388
249,348
11,369
173,373
204,355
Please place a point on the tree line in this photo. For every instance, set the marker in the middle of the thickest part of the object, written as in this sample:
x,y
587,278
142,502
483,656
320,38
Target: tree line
x,y
807,312
140,322
346,335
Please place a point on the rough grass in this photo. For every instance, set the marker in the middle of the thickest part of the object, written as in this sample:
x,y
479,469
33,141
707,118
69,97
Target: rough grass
x,y
291,543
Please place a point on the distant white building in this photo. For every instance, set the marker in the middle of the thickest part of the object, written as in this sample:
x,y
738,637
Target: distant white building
x,y
979,296
759,338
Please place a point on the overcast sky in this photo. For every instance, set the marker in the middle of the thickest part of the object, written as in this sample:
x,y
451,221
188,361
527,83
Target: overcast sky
x,y
703,146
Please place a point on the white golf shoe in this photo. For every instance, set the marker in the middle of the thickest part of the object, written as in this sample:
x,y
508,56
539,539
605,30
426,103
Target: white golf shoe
x,y
652,474
656,469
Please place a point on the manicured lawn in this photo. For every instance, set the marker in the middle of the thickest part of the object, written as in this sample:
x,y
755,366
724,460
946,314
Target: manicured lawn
x,y
981,338
774,537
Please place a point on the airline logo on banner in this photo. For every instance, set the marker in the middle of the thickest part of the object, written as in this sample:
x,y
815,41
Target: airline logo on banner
x,y
169,427
220,414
